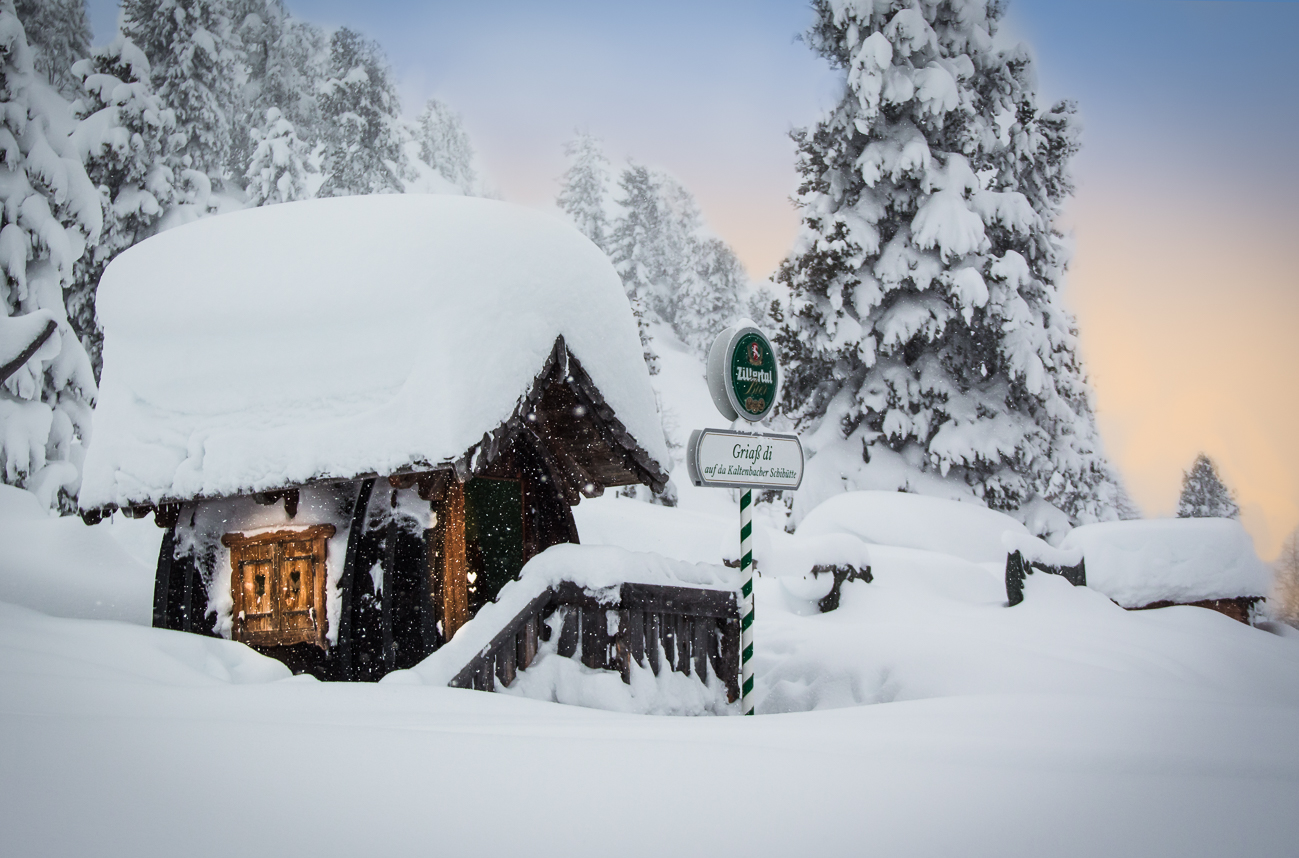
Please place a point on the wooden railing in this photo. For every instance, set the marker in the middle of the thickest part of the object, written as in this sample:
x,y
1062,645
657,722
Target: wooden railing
x,y
687,629
1018,567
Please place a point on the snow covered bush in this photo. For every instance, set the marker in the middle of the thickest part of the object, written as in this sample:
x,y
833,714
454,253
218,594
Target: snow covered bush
x,y
51,212
925,318
1204,495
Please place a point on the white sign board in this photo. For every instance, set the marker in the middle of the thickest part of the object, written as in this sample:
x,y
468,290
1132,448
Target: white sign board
x,y
744,460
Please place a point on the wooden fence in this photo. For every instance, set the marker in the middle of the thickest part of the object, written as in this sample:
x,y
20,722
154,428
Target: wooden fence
x,y
1018,567
686,629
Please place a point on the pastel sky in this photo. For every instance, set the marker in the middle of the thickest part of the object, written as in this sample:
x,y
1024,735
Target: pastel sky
x,y
1183,222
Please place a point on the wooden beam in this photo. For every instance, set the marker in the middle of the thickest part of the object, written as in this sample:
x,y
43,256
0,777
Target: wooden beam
x,y
354,535
455,565
26,354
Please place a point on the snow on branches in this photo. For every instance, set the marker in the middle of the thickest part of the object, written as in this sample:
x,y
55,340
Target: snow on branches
x,y
51,211
1204,494
925,311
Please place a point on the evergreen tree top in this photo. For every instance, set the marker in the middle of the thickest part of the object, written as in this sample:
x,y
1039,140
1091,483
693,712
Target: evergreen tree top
x,y
1204,494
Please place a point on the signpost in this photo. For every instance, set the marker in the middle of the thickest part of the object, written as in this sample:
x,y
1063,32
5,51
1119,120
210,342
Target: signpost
x,y
744,380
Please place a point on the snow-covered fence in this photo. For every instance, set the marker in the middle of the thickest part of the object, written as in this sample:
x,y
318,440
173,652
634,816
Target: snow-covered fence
x,y
685,629
1025,554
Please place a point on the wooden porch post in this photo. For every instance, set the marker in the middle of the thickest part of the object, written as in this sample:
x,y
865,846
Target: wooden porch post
x,y
455,567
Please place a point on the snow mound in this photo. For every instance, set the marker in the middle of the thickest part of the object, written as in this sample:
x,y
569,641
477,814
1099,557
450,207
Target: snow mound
x,y
334,337
962,529
1180,560
61,567
596,568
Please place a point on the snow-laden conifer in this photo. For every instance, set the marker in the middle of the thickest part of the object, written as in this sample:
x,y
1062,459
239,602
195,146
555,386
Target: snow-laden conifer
x,y
1204,494
197,70
444,145
51,212
277,172
286,59
361,128
59,35
584,189
122,139
1285,601
926,316
668,260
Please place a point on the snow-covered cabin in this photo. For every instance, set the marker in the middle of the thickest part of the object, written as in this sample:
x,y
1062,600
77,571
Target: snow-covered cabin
x,y
1158,563
358,418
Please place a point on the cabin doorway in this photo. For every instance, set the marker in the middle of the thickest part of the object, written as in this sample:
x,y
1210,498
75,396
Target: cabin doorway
x,y
476,547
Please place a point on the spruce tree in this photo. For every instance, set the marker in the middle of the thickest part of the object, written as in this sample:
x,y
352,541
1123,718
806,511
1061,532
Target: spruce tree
x,y
51,212
197,70
122,139
584,192
1204,495
444,145
286,59
1285,604
925,317
361,129
59,35
277,172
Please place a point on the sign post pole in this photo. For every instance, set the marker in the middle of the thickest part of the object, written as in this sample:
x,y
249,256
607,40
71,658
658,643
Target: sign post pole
x,y
743,379
746,604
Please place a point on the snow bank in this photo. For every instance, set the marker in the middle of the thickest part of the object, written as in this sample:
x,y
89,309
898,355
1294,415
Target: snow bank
x,y
1181,560
334,337
59,566
599,569
961,528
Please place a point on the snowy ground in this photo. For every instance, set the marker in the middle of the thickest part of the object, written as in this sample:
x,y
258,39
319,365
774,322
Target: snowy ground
x,y
921,718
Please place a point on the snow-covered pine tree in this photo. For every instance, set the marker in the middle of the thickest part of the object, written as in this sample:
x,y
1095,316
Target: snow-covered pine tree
x,y
584,190
444,145
710,299
669,262
925,315
197,69
51,212
277,172
286,60
58,34
121,138
1204,495
361,128
1285,601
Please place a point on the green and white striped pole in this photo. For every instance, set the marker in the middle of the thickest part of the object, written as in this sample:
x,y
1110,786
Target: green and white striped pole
x,y
746,605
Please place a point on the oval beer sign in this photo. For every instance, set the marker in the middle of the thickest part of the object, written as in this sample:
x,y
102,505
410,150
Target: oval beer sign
x,y
742,373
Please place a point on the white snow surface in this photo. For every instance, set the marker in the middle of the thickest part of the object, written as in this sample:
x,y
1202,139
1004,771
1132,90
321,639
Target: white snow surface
x,y
963,529
905,723
328,338
1182,560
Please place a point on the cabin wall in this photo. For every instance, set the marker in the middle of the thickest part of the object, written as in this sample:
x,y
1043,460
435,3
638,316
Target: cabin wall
x,y
202,524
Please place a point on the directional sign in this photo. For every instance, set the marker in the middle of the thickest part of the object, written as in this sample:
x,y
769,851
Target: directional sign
x,y
744,460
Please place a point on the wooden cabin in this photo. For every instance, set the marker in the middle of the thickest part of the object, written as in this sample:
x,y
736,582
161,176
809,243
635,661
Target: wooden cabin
x,y
356,419
1163,563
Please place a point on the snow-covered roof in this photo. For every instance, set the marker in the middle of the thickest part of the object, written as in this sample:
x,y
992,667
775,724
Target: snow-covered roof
x,y
1181,560
330,338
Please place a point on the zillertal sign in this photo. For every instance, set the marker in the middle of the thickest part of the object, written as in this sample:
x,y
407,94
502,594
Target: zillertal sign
x,y
742,373
743,460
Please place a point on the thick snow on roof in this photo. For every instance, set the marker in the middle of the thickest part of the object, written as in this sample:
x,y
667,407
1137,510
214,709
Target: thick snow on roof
x,y
1180,560
329,338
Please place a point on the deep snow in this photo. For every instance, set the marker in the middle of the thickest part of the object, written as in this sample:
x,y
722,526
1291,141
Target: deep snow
x,y
921,718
